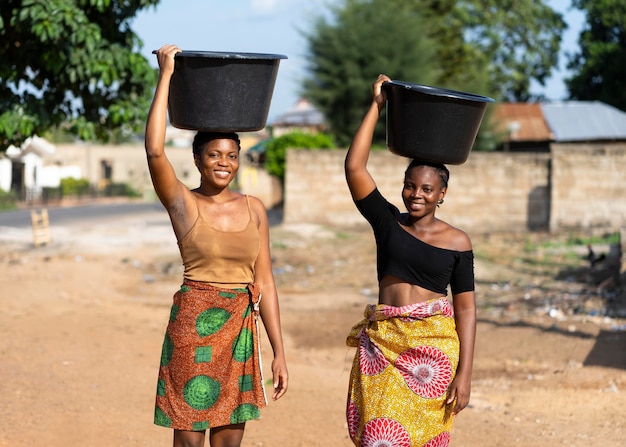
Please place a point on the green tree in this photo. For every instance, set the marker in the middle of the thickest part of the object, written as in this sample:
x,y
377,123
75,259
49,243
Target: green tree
x,y
491,47
74,63
600,65
519,40
346,54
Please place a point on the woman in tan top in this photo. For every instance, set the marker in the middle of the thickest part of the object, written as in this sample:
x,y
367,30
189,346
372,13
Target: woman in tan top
x,y
210,375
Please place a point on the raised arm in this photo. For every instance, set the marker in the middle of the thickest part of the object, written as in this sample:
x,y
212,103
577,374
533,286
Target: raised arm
x,y
359,179
167,186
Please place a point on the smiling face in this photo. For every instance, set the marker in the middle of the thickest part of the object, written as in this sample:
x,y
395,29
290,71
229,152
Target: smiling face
x,y
423,188
218,162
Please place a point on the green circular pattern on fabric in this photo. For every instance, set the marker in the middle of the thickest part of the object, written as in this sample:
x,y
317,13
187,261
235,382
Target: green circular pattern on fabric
x,y
161,418
201,392
167,350
211,320
248,311
244,412
243,346
174,312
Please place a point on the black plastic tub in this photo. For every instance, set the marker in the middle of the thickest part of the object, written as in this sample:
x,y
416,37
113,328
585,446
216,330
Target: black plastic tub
x,y
432,124
222,92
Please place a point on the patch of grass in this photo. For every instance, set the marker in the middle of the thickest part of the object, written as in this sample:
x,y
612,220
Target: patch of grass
x,y
610,239
8,200
279,245
570,241
343,236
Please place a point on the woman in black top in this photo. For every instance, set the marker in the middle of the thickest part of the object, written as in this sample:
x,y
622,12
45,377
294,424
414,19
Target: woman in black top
x,y
413,368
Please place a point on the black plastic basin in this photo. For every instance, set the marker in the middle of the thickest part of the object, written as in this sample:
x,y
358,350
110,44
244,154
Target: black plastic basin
x,y
432,124
222,92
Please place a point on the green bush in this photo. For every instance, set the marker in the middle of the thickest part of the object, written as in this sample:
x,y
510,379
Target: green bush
x,y
120,190
51,193
74,187
8,200
277,149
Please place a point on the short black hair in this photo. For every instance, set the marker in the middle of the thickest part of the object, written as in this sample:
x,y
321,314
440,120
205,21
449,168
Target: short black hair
x,y
203,137
441,169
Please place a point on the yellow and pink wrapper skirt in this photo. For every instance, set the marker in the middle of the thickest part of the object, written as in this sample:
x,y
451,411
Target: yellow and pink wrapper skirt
x,y
406,359
210,371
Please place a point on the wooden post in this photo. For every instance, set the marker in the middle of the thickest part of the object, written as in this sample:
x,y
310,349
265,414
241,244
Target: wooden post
x,y
41,227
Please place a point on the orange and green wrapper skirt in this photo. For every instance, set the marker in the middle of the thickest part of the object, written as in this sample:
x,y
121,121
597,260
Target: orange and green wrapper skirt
x,y
210,372
405,361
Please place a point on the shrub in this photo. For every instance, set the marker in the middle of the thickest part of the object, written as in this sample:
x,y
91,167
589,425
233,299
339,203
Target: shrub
x,y
8,200
74,187
276,152
120,190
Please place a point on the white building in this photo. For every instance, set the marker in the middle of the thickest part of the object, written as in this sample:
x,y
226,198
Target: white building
x,y
22,169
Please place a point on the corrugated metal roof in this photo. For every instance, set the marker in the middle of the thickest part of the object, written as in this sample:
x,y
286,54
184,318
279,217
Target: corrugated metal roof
x,y
522,122
584,121
532,122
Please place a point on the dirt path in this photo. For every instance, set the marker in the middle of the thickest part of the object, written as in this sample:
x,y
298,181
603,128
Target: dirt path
x,y
82,323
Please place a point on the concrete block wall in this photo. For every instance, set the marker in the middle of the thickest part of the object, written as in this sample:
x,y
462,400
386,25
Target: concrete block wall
x,y
589,186
129,166
502,192
575,187
128,163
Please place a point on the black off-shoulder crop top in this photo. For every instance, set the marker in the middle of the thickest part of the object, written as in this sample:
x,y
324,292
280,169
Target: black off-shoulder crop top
x,y
403,255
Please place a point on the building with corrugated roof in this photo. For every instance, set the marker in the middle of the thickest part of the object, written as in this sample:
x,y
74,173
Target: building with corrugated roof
x,y
534,126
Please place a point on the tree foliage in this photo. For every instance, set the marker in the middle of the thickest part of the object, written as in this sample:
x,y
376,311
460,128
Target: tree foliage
x,y
599,66
490,47
73,62
519,40
345,57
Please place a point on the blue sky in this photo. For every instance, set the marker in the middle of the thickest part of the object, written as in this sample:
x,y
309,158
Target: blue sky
x,y
273,26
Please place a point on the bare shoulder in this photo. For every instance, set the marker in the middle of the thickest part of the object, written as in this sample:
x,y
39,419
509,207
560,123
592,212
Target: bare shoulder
x,y
258,208
460,240
256,203
456,239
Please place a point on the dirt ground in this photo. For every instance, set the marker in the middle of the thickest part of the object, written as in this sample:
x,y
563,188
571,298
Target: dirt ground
x,y
82,324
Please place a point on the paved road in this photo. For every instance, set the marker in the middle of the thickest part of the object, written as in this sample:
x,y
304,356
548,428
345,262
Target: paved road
x,y
98,225
95,226
96,212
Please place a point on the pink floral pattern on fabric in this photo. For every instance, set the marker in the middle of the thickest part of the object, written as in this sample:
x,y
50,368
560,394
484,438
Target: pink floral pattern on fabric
x,y
426,370
418,311
353,417
371,359
445,308
385,432
442,440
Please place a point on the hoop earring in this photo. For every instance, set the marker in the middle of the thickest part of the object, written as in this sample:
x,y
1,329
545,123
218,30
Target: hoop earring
x,y
440,202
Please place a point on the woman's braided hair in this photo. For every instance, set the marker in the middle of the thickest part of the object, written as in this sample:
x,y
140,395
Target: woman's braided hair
x,y
441,169
202,138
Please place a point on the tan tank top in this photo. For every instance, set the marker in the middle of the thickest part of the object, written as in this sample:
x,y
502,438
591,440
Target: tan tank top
x,y
220,257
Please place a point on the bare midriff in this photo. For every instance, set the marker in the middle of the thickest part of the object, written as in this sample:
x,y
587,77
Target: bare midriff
x,y
396,292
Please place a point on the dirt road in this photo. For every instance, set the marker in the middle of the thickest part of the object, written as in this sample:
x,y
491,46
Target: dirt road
x,y
82,324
